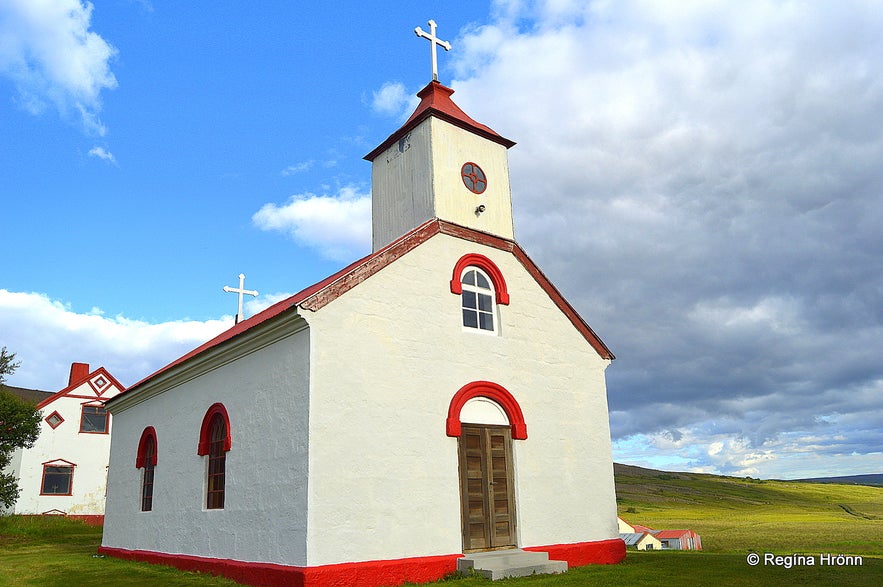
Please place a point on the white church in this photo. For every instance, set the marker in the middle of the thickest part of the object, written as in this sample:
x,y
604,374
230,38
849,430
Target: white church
x,y
435,405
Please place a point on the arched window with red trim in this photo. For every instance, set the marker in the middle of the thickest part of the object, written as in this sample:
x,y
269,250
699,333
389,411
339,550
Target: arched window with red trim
x,y
481,287
146,459
214,442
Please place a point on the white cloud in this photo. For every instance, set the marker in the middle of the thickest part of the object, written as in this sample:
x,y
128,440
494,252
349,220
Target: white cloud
x,y
48,51
262,302
338,226
702,181
103,154
47,336
394,100
298,168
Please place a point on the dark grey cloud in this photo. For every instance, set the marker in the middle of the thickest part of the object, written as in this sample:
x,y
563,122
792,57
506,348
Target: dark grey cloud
x,y
704,185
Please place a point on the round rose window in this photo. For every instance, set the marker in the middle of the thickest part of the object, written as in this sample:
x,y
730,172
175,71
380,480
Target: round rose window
x,y
473,178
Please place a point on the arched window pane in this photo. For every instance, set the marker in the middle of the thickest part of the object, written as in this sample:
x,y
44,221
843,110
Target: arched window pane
x,y
217,462
477,301
147,479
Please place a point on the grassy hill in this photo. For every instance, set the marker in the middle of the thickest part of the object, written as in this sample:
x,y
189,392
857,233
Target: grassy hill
x,y
733,516
875,480
739,515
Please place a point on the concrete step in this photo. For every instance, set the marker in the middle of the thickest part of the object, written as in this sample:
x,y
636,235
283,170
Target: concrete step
x,y
513,562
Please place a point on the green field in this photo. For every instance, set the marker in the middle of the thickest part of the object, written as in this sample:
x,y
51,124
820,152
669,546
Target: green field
x,y
740,515
735,517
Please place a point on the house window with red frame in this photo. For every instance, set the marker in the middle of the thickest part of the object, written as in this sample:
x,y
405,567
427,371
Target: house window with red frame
x,y
94,420
217,462
57,479
54,420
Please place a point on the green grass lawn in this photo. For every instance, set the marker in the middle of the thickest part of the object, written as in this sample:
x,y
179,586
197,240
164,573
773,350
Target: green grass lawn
x,y
53,551
734,517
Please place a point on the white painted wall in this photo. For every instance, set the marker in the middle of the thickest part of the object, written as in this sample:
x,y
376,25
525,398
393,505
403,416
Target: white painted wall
x,y
452,147
87,450
383,473
401,180
264,517
418,178
379,479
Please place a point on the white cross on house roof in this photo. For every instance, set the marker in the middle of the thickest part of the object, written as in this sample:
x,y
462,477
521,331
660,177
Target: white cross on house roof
x,y
241,291
433,42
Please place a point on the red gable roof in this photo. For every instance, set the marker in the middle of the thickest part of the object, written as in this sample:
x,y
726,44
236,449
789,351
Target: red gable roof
x,y
320,294
75,384
672,534
435,100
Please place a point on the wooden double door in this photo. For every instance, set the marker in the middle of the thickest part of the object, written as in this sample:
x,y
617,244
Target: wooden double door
x,y
487,488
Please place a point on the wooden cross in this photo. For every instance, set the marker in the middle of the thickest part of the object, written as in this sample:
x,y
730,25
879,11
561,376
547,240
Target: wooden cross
x,y
241,291
433,42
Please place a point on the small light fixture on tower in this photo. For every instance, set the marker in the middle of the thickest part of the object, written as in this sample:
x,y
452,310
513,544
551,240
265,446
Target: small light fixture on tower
x,y
241,291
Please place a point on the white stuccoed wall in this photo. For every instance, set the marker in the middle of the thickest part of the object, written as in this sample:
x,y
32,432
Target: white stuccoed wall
x,y
383,473
418,178
264,517
88,451
379,479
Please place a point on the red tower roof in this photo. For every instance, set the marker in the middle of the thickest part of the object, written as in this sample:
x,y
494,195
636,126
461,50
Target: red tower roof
x,y
435,100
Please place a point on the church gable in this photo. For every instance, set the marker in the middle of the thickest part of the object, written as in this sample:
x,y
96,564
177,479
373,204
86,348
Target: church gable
x,y
320,294
505,270
395,359
374,263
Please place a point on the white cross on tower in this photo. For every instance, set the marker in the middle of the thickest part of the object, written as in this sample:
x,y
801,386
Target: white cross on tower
x,y
433,41
240,290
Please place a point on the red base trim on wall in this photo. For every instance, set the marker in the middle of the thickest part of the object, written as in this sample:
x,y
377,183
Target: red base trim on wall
x,y
600,552
90,520
363,574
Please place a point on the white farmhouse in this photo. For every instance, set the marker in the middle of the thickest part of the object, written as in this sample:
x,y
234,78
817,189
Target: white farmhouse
x,y
433,402
65,472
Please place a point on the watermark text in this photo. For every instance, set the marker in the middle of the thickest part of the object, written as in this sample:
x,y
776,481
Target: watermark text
x,y
825,559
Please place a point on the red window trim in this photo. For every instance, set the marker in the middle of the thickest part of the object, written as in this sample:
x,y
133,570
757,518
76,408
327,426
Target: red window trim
x,y
141,458
106,417
58,463
55,413
205,432
489,267
493,392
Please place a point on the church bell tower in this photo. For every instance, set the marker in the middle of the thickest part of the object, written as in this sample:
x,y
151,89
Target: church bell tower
x,y
440,164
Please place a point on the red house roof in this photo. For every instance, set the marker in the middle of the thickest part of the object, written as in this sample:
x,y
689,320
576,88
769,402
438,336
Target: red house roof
x,y
320,294
78,377
672,533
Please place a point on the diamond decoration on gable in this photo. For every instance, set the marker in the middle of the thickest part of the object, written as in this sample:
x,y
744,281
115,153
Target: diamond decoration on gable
x,y
54,419
100,384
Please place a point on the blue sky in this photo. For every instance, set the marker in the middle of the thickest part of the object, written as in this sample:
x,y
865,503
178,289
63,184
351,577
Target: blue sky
x,y
701,180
